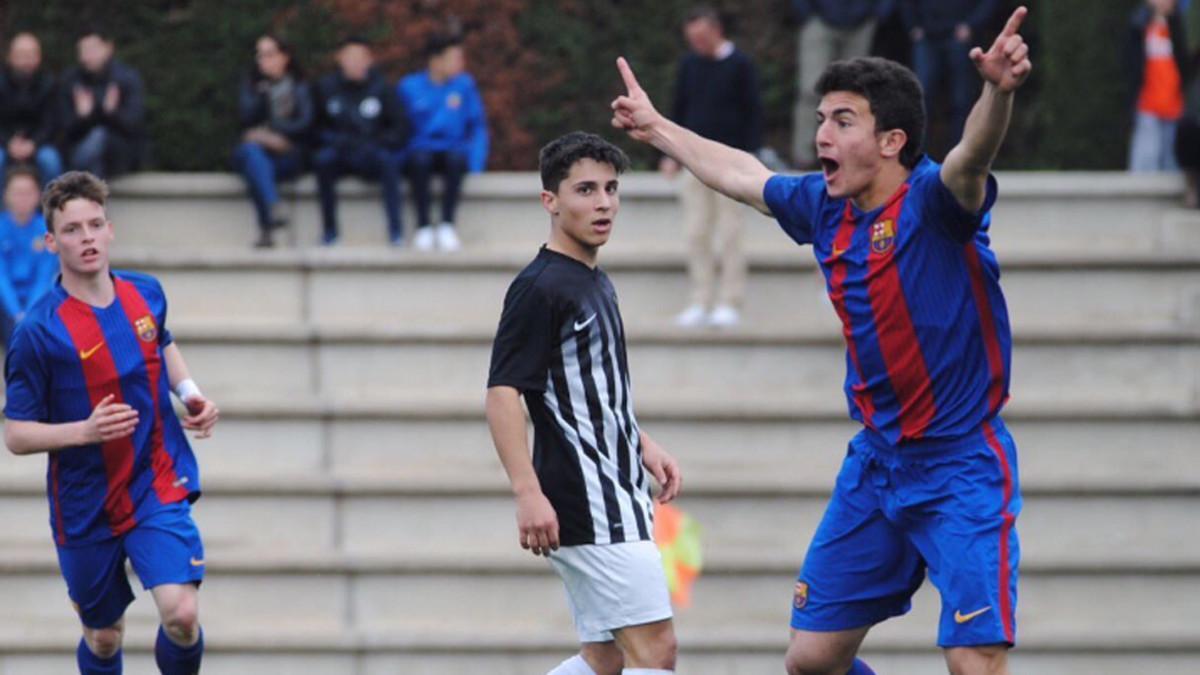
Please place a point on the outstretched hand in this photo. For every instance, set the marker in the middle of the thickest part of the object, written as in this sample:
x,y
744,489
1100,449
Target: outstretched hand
x,y
1006,64
633,112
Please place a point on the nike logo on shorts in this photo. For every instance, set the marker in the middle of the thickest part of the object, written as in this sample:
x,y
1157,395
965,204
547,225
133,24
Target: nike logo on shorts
x,y
959,617
196,563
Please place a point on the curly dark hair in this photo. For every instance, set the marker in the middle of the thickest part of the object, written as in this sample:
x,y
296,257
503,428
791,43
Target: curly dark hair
x,y
893,92
559,155
71,185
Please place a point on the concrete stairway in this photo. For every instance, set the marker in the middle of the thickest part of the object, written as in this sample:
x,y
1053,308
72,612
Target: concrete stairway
x,y
357,521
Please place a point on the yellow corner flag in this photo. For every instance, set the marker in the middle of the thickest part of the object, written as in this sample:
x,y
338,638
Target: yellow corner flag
x,y
678,538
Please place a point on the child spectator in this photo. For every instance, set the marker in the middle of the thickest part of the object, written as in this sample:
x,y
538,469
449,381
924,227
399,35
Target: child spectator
x,y
27,269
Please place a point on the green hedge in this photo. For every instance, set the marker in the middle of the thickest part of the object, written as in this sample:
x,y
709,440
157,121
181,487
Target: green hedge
x,y
1071,115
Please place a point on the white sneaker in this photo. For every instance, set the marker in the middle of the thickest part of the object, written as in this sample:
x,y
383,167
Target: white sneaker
x,y
691,317
425,238
724,316
447,238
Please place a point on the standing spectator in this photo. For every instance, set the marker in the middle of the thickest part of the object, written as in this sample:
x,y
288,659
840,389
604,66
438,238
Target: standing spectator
x,y
942,33
276,114
449,136
27,269
1157,63
28,110
104,111
362,130
716,96
830,30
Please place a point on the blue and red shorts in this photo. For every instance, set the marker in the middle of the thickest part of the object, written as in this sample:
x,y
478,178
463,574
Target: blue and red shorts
x,y
163,549
948,507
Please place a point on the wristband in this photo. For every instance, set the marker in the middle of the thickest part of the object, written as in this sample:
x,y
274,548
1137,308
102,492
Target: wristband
x,y
187,389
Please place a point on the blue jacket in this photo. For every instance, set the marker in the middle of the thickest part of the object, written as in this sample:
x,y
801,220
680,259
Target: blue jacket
x,y
27,269
446,117
842,13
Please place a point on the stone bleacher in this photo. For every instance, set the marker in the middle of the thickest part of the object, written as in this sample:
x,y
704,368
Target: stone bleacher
x,y
357,521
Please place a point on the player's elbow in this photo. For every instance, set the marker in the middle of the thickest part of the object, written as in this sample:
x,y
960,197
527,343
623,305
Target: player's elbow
x,y
13,439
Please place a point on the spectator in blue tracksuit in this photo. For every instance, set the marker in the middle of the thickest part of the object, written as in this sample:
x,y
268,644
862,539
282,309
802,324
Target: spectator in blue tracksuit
x,y
276,113
943,32
449,136
28,110
362,128
27,269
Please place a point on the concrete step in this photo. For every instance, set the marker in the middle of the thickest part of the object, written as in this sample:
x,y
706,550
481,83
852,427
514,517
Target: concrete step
x,y
1036,211
1138,367
1087,289
268,655
733,606
1072,531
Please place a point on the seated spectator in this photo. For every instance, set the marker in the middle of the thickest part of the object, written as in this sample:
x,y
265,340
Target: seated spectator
x,y
27,269
104,112
361,130
276,113
449,136
1157,64
28,110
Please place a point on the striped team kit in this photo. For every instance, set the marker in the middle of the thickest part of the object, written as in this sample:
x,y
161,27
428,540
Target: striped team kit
x,y
122,499
930,483
561,343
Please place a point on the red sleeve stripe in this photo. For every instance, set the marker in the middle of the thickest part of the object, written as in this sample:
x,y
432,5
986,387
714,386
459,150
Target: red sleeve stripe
x,y
898,342
987,325
137,310
102,378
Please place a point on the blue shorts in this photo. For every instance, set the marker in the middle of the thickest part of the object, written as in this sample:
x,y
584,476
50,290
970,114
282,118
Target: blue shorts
x,y
949,507
164,549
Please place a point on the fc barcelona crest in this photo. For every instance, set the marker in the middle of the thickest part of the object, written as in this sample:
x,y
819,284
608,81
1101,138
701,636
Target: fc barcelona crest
x,y
146,329
800,597
883,235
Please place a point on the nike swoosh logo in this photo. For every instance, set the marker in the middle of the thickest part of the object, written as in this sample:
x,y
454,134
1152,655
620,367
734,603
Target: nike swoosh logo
x,y
585,324
88,354
959,617
197,563
838,251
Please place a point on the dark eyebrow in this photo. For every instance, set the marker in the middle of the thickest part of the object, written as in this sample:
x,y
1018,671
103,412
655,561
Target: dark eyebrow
x,y
585,183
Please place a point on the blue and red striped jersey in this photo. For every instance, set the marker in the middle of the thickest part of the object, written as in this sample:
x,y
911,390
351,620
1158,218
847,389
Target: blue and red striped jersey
x,y
917,289
65,357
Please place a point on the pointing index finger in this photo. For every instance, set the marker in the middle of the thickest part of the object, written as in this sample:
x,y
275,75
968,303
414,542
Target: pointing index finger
x,y
631,83
1014,22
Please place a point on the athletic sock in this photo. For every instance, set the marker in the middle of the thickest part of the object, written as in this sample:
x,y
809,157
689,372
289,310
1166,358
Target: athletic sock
x,y
175,660
90,664
573,666
860,667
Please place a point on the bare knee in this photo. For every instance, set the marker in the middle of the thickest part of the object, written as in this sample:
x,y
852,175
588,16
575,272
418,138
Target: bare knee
x,y
181,618
811,655
981,660
603,657
649,646
105,642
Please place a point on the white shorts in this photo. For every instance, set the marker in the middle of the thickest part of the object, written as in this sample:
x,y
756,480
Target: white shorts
x,y
613,586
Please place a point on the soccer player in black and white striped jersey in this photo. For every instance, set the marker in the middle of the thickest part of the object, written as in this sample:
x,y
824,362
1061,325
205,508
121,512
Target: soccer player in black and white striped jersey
x,y
584,498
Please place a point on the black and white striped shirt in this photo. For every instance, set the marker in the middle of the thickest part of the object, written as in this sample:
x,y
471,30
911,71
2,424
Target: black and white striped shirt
x,y
561,343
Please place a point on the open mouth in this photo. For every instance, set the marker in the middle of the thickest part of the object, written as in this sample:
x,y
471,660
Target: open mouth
x,y
602,224
829,167
89,253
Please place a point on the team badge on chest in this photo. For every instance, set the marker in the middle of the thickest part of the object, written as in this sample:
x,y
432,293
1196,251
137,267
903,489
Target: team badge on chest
x,y
146,329
883,236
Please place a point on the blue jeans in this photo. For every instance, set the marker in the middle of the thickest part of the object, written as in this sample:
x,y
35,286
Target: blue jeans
x,y
49,164
261,169
935,60
103,153
1152,147
420,166
331,163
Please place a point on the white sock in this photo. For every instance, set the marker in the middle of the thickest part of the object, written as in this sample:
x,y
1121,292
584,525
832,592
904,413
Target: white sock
x,y
646,671
573,666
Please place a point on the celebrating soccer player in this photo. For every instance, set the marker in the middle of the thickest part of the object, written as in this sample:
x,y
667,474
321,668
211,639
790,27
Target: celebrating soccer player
x,y
584,499
90,373
930,484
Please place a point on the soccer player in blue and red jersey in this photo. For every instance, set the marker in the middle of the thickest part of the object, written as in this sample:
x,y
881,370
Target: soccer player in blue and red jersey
x,y
930,484
90,373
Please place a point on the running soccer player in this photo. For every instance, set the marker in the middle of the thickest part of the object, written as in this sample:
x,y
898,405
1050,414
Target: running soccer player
x,y
89,378
930,484
584,499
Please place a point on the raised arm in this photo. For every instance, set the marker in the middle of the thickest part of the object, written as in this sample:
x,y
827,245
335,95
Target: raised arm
x,y
1004,68
734,173
537,523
